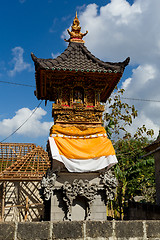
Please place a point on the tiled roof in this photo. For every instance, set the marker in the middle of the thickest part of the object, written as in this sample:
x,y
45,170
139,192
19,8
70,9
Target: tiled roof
x,y
153,146
77,57
31,166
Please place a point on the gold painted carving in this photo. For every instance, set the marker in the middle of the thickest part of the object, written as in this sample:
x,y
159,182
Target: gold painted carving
x,y
75,34
78,113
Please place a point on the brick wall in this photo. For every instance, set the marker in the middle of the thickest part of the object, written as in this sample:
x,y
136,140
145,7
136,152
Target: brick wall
x,y
82,230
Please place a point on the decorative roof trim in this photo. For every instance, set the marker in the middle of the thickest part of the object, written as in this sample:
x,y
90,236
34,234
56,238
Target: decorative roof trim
x,y
82,70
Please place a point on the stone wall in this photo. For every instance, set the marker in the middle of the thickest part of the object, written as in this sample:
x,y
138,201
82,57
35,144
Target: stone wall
x,y
82,230
142,211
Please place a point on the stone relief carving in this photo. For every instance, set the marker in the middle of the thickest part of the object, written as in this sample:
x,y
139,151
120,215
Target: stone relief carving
x,y
109,183
79,188
47,184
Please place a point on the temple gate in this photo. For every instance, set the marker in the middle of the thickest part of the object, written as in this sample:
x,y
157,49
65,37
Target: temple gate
x,y
79,183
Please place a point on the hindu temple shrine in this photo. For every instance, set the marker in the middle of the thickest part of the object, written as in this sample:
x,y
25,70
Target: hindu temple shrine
x,y
79,183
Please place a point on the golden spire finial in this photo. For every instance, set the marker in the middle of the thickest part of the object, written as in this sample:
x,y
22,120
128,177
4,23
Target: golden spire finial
x,y
75,34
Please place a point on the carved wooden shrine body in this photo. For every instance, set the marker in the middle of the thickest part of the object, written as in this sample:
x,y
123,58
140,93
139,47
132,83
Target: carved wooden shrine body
x,y
76,90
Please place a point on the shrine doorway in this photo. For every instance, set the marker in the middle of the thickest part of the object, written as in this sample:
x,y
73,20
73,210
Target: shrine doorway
x,y
78,95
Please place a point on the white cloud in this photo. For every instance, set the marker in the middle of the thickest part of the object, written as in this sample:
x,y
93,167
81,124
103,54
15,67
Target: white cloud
x,y
18,61
54,55
143,120
144,84
53,28
22,1
32,128
118,30
143,79
126,83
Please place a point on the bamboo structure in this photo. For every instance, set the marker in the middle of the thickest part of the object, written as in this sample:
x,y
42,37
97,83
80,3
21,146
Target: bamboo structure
x,y
21,169
22,162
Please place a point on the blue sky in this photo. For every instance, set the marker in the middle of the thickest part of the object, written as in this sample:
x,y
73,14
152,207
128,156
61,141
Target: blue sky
x,y
117,29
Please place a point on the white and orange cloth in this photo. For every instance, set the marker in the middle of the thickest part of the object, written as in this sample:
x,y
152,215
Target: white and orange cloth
x,y
81,150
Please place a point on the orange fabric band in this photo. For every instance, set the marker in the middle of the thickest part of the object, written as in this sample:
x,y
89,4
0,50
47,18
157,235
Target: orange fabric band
x,y
84,148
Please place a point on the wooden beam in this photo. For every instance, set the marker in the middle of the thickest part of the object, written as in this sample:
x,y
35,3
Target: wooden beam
x,y
3,200
26,209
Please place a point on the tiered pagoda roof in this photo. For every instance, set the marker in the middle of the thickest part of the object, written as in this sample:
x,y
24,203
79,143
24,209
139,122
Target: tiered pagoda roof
x,y
78,58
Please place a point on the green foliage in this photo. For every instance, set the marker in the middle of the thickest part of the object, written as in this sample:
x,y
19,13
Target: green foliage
x,y
135,172
135,175
120,116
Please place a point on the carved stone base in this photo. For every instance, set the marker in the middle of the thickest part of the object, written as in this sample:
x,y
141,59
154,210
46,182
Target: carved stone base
x,y
78,211
78,196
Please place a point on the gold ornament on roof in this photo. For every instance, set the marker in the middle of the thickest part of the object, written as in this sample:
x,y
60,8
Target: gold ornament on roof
x,y
75,34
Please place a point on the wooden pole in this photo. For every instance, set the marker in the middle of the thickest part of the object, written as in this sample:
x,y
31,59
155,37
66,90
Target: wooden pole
x,y
26,209
3,200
